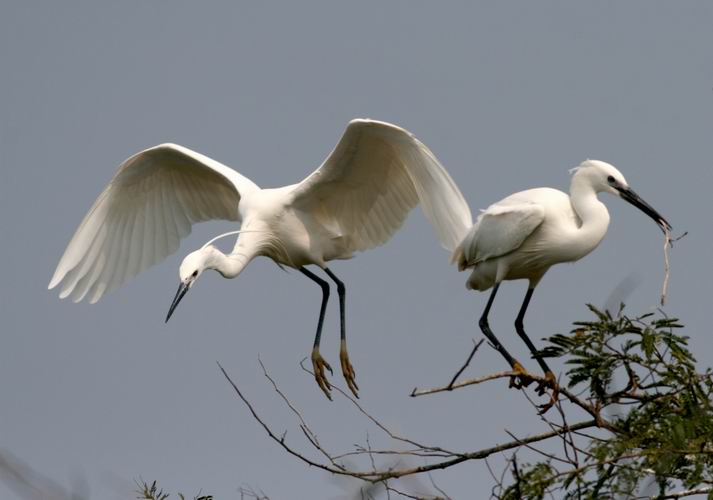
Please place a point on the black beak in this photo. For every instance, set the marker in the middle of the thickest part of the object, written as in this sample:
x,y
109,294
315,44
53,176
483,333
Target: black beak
x,y
630,195
182,289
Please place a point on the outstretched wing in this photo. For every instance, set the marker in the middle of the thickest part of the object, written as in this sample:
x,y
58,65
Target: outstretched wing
x,y
376,174
499,230
141,216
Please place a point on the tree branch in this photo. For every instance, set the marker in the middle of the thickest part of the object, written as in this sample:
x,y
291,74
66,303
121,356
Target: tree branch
x,y
687,493
465,365
573,398
376,475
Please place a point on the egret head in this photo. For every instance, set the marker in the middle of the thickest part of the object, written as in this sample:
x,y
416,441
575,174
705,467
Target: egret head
x,y
191,268
606,178
602,176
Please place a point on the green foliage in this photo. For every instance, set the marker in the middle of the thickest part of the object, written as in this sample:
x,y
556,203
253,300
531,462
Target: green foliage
x,y
659,425
148,491
533,482
634,419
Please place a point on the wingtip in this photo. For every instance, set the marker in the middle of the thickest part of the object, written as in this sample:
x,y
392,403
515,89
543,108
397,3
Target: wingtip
x,y
54,281
162,147
379,124
171,145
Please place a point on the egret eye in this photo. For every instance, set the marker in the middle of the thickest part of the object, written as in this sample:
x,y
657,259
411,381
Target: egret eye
x,y
611,179
195,273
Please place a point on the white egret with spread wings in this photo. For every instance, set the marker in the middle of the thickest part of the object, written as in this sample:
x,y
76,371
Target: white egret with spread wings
x,y
356,200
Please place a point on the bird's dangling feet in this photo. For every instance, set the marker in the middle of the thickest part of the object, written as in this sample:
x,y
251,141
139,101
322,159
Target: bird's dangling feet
x,y
319,364
550,382
522,379
348,369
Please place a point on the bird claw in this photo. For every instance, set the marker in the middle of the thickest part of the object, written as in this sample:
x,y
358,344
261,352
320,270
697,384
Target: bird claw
x,y
522,379
549,382
319,364
348,370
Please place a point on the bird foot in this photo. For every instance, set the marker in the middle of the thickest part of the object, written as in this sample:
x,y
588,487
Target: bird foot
x,y
348,369
522,379
319,364
551,383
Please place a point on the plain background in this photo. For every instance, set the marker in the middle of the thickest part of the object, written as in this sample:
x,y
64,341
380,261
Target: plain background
x,y
508,95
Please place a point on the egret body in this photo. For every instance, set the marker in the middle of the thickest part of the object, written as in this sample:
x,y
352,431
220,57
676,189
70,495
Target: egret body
x,y
356,200
523,235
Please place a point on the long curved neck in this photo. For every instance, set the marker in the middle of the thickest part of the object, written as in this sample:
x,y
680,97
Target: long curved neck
x,y
253,241
231,265
592,213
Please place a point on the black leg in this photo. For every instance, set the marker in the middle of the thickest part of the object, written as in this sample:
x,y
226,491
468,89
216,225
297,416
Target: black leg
x,y
341,290
347,369
318,363
325,297
521,331
550,379
485,327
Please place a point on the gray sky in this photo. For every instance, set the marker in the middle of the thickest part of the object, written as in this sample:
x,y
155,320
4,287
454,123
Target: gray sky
x,y
508,95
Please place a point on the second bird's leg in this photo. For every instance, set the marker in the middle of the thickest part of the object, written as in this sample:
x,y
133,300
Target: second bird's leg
x,y
347,369
549,376
485,327
318,362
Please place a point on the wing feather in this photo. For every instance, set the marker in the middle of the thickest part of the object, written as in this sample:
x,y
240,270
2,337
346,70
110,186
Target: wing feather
x,y
140,217
117,256
79,272
500,229
165,226
182,219
373,178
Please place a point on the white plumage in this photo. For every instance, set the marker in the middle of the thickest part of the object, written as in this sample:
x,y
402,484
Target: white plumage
x,y
523,235
141,216
354,201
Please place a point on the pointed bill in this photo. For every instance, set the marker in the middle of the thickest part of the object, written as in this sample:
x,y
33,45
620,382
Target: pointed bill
x,y
182,289
630,195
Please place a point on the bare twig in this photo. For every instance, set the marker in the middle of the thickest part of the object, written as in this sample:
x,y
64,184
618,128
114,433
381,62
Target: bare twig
x,y
435,486
498,483
375,476
280,440
573,398
465,365
309,434
569,435
248,492
548,455
552,425
472,381
668,242
376,422
687,493
360,451
413,496
666,267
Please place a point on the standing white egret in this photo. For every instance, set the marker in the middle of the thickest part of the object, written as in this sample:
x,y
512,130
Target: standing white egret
x,y
356,200
521,236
